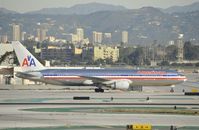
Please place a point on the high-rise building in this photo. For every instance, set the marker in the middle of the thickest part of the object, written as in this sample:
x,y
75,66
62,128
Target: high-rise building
x,y
23,36
16,32
180,46
97,37
80,34
72,38
107,38
124,37
4,38
41,34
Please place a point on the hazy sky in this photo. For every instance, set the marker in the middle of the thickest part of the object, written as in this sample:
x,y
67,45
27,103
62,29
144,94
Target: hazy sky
x,y
30,5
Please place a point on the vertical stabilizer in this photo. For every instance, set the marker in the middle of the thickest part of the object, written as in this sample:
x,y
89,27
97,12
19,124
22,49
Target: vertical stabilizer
x,y
27,61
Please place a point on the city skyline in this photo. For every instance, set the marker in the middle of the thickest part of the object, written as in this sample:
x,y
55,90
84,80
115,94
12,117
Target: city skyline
x,y
23,6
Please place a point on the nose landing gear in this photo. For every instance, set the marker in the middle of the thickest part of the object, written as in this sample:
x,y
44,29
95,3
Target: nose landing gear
x,y
172,89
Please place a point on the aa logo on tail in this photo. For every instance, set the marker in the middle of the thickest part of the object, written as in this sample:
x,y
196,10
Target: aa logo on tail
x,y
28,61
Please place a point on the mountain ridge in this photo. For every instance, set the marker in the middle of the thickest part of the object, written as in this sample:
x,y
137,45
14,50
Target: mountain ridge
x,y
83,9
6,11
144,25
183,9
80,9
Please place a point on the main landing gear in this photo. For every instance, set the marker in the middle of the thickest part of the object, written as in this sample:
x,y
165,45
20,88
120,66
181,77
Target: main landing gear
x,y
172,89
99,90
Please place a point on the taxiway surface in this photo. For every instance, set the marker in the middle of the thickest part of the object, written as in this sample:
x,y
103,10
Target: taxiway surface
x,y
16,113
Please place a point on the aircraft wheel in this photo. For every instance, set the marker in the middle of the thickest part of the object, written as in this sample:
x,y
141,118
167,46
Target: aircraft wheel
x,y
98,90
171,90
101,90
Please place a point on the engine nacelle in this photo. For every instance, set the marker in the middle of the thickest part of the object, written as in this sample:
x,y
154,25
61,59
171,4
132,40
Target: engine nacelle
x,y
122,85
88,82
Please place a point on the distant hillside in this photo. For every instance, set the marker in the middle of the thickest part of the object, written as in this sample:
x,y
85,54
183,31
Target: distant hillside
x,y
183,9
6,11
79,9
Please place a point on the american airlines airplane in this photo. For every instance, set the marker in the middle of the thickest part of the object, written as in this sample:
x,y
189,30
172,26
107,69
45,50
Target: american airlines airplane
x,y
122,79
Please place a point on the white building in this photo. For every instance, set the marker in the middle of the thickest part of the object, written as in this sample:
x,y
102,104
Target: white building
x,y
124,36
97,37
4,38
80,34
41,34
16,32
107,38
72,38
24,36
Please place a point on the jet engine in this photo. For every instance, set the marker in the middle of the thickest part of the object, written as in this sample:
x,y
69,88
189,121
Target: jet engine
x,y
88,82
122,85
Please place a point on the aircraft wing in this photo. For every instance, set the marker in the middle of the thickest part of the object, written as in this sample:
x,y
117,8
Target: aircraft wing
x,y
101,82
95,79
